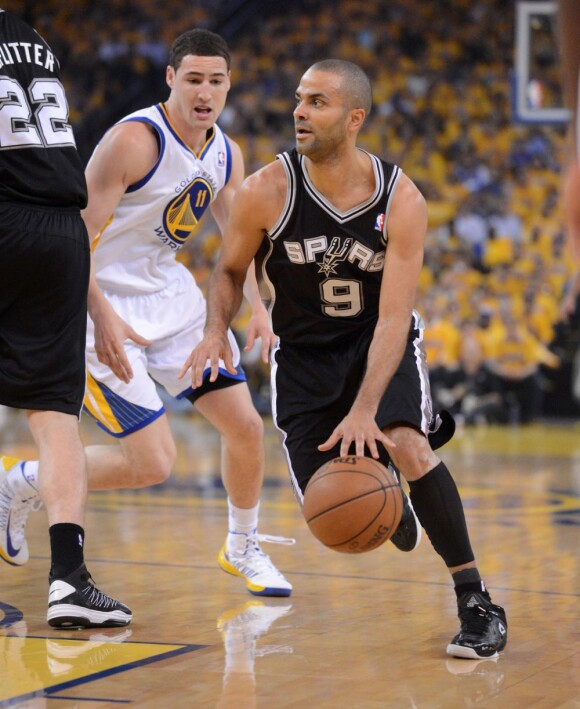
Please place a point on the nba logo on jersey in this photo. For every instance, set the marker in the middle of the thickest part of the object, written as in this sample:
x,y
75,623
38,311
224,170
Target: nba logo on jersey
x,y
380,222
221,158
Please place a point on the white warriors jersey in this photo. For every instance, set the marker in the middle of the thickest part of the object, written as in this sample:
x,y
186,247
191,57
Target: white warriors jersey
x,y
135,252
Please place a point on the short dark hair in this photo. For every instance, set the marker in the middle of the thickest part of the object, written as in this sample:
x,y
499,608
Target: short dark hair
x,y
356,84
201,43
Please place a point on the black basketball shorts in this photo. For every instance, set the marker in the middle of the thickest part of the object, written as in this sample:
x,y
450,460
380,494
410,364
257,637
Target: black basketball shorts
x,y
44,272
314,389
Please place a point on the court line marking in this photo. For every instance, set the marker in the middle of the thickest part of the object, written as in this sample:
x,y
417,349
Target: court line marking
x,y
61,686
208,567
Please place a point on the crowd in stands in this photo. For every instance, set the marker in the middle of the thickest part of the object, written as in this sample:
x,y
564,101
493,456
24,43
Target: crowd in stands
x,y
496,267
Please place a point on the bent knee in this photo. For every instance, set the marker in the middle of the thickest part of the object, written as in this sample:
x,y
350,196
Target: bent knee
x,y
154,468
255,426
412,455
247,430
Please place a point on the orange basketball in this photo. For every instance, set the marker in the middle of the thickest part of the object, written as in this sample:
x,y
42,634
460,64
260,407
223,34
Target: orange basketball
x,y
353,504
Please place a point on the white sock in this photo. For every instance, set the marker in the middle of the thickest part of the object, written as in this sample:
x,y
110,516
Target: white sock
x,y
241,522
23,478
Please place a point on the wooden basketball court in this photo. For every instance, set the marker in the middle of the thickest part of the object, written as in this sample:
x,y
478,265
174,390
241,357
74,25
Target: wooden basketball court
x,y
358,631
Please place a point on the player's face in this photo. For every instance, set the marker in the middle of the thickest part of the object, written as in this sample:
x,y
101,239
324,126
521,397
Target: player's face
x,y
199,88
320,116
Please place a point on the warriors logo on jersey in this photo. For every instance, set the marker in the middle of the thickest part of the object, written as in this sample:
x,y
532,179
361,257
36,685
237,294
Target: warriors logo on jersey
x,y
158,214
183,213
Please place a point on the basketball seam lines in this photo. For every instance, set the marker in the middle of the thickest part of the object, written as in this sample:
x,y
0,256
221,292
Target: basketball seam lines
x,y
351,499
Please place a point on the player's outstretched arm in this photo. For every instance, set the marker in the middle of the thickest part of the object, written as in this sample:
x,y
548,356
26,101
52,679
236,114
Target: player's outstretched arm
x,y
255,208
259,325
569,30
571,195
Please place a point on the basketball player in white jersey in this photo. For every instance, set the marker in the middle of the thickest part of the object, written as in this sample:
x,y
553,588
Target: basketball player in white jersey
x,y
150,180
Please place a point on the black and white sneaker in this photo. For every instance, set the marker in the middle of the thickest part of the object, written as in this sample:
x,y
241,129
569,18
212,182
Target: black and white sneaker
x,y
408,534
483,631
75,601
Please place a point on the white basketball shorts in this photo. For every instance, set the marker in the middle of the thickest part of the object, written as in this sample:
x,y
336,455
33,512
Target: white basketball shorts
x,y
173,320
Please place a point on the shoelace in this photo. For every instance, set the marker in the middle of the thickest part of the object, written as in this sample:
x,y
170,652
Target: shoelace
x,y
259,560
20,510
96,597
6,497
271,539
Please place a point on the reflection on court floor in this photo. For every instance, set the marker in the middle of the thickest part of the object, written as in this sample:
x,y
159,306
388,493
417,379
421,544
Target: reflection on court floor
x,y
368,630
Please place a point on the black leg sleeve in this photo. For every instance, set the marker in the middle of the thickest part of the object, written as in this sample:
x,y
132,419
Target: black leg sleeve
x,y
439,508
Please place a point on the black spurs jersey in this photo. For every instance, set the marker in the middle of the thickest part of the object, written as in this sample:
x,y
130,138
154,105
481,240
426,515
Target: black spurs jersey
x,y
39,163
324,267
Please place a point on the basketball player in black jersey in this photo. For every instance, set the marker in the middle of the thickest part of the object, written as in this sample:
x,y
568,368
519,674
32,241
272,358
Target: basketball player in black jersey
x,y
44,272
341,234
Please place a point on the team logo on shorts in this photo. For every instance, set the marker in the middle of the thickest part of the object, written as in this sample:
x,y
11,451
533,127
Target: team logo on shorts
x,y
183,213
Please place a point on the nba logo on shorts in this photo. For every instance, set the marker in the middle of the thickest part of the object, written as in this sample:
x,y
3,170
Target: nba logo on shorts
x,y
221,158
380,222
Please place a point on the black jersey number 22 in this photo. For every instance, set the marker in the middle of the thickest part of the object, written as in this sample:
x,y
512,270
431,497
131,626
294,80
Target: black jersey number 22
x,y
39,119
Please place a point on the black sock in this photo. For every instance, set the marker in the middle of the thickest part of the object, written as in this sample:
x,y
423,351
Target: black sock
x,y
66,548
469,581
439,509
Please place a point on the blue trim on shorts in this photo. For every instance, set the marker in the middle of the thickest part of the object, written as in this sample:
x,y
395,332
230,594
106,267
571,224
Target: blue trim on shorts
x,y
136,427
126,414
218,384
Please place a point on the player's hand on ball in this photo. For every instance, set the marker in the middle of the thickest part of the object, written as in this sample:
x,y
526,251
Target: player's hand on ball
x,y
358,427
